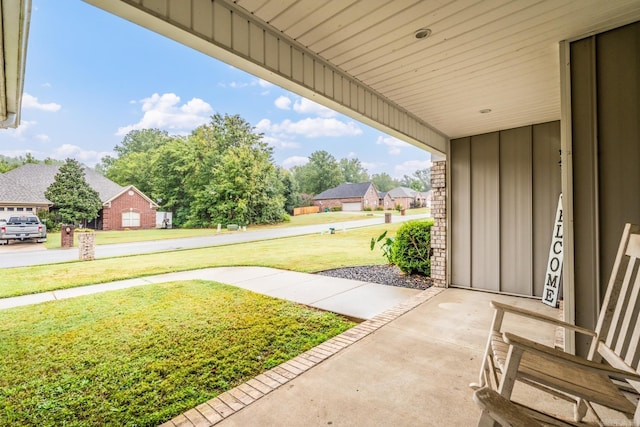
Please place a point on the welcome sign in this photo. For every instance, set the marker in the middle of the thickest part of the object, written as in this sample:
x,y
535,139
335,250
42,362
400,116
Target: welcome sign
x,y
553,278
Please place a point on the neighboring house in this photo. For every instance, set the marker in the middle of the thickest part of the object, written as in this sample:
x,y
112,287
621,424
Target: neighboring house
x,y
384,200
348,197
409,198
403,197
22,190
423,199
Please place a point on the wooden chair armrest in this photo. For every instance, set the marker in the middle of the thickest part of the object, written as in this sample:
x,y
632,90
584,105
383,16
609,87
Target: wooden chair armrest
x,y
567,358
501,409
537,316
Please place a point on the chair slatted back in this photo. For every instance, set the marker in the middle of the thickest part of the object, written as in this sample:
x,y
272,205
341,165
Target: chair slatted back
x,y
618,325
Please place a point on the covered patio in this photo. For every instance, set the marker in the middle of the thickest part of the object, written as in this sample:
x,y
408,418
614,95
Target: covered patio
x,y
409,366
517,101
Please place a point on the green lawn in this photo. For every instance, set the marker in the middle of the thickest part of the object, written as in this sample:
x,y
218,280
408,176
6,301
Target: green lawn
x,y
303,253
128,236
143,355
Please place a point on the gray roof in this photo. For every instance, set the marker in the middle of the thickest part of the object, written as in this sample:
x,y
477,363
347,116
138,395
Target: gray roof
x,y
345,191
28,183
400,192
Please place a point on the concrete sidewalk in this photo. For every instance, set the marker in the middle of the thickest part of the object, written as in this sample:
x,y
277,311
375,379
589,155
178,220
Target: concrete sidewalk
x,y
356,299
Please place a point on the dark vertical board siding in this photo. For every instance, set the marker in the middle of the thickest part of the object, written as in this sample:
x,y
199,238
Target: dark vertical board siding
x,y
485,218
584,185
546,189
515,211
460,212
618,95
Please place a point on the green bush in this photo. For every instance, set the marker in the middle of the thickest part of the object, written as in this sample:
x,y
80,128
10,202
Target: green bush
x,y
367,209
379,208
336,209
412,247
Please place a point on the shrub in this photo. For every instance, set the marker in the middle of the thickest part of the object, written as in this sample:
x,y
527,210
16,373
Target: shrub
x,y
336,208
412,247
367,209
379,208
399,207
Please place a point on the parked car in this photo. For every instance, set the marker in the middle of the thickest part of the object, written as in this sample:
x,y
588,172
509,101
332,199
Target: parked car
x,y
24,227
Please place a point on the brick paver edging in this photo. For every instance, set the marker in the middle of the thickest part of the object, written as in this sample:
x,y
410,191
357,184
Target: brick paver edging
x,y
226,404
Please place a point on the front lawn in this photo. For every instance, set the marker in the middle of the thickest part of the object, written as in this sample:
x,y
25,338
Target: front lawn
x,y
128,236
308,253
143,355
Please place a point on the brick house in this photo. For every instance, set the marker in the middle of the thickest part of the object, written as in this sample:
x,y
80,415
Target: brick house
x,y
403,196
348,197
130,208
384,200
22,190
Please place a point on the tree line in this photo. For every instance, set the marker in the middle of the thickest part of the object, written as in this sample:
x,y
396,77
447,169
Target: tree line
x,y
223,172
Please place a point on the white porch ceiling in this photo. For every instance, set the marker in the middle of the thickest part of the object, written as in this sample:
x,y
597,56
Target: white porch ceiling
x,y
500,55
361,58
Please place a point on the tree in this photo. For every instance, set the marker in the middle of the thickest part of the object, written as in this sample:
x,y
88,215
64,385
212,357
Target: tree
x,y
291,193
70,194
321,173
411,182
384,182
131,166
352,171
232,176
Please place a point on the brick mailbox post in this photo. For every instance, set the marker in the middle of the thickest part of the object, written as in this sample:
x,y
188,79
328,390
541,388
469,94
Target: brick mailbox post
x,y
66,234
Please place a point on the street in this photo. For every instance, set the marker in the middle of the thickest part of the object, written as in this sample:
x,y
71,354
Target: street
x,y
27,254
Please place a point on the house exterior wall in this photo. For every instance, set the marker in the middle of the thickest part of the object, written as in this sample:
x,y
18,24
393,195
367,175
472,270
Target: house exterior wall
x,y
605,148
12,209
128,202
504,193
404,202
386,202
370,199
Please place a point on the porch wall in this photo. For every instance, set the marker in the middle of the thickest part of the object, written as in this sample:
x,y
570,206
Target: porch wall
x,y
605,145
504,192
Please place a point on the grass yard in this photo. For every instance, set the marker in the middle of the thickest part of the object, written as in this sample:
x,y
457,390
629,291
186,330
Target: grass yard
x,y
128,236
143,355
303,253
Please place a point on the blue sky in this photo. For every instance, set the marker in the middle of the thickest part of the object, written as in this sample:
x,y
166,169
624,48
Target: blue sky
x,y
91,77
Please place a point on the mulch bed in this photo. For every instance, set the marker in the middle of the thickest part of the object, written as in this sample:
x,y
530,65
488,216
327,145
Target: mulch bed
x,y
383,274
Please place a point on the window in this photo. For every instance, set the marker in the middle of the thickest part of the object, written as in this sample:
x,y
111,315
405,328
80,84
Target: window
x,y
130,219
10,209
20,209
28,209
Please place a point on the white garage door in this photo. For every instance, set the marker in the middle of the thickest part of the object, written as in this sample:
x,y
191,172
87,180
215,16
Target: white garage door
x,y
351,207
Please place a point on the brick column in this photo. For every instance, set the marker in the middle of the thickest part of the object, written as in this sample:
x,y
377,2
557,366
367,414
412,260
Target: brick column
x,y
439,229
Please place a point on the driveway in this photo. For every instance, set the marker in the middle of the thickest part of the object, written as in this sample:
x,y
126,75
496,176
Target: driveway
x,y
33,254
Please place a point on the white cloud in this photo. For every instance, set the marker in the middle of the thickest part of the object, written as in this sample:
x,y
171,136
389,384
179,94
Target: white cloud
x,y
279,143
21,131
47,84
283,103
88,157
306,106
311,128
394,144
294,161
371,166
165,112
264,84
29,101
42,137
410,166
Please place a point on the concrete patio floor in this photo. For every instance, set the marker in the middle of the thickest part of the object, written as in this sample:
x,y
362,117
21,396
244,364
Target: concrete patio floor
x,y
406,367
